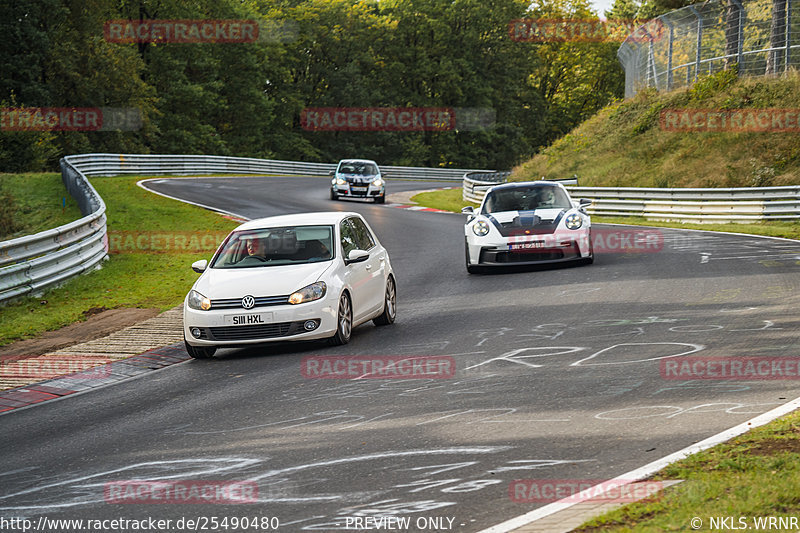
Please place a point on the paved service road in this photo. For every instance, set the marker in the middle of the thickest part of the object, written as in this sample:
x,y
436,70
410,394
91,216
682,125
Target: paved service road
x,y
558,377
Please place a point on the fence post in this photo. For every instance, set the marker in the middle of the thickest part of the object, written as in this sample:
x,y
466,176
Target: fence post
x,y
699,41
669,53
788,34
740,34
652,60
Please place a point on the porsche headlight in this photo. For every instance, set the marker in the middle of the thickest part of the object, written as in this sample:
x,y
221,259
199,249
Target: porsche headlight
x,y
378,182
312,292
340,181
574,221
198,301
480,228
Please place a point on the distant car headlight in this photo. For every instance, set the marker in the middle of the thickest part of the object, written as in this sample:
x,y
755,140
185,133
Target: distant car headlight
x,y
574,221
312,292
480,228
198,301
340,181
378,182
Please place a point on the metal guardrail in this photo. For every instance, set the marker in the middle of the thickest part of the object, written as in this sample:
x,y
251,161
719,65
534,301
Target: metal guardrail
x,y
475,184
729,205
762,37
145,164
734,205
30,264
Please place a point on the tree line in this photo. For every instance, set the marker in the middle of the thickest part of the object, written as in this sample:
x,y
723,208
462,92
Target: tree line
x,y
247,99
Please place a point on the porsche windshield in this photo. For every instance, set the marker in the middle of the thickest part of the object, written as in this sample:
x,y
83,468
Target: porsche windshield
x,y
288,245
526,199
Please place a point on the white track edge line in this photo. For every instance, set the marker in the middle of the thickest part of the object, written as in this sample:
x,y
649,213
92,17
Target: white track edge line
x,y
651,468
215,209
702,231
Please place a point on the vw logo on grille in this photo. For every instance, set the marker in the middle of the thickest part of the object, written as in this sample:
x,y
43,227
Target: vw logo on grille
x,y
248,302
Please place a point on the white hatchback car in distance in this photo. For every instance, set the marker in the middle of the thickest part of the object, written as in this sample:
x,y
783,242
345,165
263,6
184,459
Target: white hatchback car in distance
x,y
358,178
291,277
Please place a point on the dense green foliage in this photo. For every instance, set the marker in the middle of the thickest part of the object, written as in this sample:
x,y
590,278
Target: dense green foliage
x,y
245,99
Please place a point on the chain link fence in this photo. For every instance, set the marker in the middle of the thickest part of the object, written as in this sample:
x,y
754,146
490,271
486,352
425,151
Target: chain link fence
x,y
673,50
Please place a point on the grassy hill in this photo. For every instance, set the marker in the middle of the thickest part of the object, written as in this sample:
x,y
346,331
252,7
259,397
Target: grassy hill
x,y
624,144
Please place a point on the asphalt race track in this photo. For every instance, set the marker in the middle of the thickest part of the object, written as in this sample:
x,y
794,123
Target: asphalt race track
x,y
559,376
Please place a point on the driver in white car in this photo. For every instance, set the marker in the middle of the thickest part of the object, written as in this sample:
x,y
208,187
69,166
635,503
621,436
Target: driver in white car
x,y
256,247
547,199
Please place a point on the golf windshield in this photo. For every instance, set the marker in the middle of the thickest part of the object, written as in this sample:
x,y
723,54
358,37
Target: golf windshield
x,y
289,245
357,168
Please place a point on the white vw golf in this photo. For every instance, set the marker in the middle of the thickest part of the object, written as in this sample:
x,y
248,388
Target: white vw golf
x,y
291,277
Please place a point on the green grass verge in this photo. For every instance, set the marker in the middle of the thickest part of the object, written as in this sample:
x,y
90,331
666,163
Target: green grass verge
x,y
450,200
444,199
144,280
754,475
30,203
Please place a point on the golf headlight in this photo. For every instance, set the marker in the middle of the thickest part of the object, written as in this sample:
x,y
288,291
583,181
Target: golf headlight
x,y
480,228
378,182
312,292
574,221
198,301
340,181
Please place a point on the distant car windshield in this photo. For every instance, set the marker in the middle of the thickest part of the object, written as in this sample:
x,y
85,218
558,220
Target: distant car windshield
x,y
526,199
358,168
289,245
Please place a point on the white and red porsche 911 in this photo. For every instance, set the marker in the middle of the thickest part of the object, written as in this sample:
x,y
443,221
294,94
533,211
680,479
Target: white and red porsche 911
x,y
527,223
